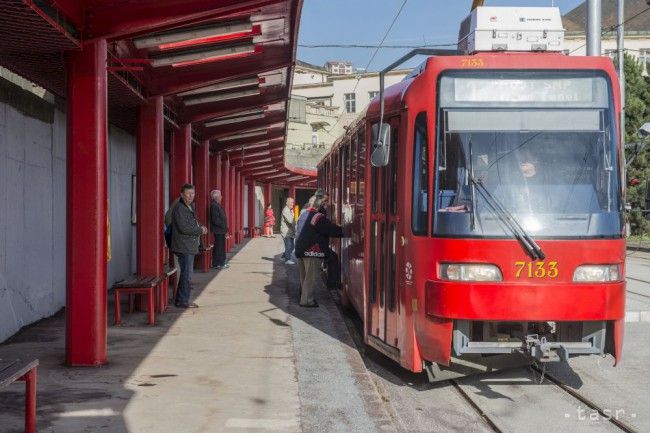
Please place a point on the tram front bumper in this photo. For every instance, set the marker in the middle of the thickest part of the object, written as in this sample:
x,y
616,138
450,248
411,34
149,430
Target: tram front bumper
x,y
525,302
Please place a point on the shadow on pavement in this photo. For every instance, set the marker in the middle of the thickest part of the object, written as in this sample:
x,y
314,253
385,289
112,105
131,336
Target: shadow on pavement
x,y
73,399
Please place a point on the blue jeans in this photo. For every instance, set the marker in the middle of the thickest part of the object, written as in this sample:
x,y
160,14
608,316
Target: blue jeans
x,y
186,262
288,248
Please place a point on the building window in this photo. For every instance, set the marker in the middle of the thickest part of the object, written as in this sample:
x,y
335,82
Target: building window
x,y
298,110
350,103
371,95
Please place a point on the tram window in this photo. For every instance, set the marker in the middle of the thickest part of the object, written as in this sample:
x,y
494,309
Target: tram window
x,y
392,188
345,174
391,268
361,167
419,205
373,263
382,264
353,170
374,187
334,194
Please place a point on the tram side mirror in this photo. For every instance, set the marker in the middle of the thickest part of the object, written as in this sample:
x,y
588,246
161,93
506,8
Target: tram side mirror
x,y
380,145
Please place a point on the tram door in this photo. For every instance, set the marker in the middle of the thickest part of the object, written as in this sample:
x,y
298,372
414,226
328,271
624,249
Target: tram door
x,y
384,232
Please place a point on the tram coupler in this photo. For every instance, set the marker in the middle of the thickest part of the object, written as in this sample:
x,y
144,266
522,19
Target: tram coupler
x,y
542,350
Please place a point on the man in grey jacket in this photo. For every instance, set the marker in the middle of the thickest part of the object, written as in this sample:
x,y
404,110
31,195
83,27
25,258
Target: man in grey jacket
x,y
186,233
288,231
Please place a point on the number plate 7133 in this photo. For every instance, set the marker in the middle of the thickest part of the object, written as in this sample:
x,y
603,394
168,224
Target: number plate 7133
x,y
536,269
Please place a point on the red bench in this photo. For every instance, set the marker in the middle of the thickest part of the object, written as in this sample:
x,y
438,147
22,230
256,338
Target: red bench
x,y
10,372
137,285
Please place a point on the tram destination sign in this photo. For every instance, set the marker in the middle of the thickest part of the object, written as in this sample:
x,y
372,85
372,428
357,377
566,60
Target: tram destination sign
x,y
524,90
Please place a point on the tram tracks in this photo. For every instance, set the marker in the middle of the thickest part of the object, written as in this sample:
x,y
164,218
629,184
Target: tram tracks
x,y
604,413
376,364
480,412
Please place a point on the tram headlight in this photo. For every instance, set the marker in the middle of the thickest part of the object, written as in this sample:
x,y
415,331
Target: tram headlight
x,y
596,273
470,272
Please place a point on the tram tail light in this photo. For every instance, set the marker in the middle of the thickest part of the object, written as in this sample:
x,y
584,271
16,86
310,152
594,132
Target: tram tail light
x,y
470,272
596,273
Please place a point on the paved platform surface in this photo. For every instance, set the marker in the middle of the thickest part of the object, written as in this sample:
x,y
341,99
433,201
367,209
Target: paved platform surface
x,y
251,360
248,360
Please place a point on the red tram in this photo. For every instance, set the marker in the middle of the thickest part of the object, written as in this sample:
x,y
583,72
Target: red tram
x,y
494,233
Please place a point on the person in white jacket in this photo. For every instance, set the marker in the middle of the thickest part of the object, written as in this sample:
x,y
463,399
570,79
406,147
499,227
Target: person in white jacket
x,y
288,231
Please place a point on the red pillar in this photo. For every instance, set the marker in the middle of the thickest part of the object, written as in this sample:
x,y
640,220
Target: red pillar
x,y
215,182
240,205
232,205
150,187
292,191
201,164
181,159
215,171
87,209
242,200
225,191
252,204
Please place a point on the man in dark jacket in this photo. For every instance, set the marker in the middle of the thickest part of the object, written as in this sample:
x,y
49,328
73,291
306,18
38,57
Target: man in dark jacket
x,y
331,258
311,248
186,233
219,227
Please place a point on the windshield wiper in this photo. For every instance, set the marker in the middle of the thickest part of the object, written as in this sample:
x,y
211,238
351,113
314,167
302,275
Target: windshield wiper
x,y
530,246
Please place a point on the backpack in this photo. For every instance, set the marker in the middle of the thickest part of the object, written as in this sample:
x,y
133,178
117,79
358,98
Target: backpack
x,y
168,236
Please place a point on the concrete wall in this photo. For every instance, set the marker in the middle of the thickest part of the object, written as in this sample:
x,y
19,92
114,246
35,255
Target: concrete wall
x,y
33,207
32,216
121,168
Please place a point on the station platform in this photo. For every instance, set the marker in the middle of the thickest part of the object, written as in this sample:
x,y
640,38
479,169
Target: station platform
x,y
249,359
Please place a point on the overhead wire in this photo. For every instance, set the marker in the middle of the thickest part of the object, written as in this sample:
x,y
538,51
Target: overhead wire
x,y
374,46
383,39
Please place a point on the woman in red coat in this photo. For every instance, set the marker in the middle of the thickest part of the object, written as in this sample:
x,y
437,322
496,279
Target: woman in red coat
x,y
269,222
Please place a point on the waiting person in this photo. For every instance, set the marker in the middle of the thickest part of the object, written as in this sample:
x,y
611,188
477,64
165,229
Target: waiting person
x,y
331,258
310,251
219,227
186,234
303,215
269,221
288,230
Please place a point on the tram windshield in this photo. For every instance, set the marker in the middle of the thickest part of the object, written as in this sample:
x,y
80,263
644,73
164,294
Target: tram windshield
x,y
542,144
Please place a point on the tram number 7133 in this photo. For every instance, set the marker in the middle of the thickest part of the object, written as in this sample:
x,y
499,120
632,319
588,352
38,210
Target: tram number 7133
x,y
536,269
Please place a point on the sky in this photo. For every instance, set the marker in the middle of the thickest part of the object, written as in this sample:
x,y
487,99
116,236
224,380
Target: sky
x,y
364,22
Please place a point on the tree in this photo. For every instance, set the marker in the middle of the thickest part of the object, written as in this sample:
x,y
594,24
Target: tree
x,y
637,112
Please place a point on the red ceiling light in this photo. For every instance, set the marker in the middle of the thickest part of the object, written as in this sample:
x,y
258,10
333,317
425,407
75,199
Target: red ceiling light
x,y
247,134
188,36
277,176
255,30
257,49
232,120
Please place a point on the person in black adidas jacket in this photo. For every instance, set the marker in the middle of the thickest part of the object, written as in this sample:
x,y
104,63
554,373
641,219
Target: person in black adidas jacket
x,y
311,247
